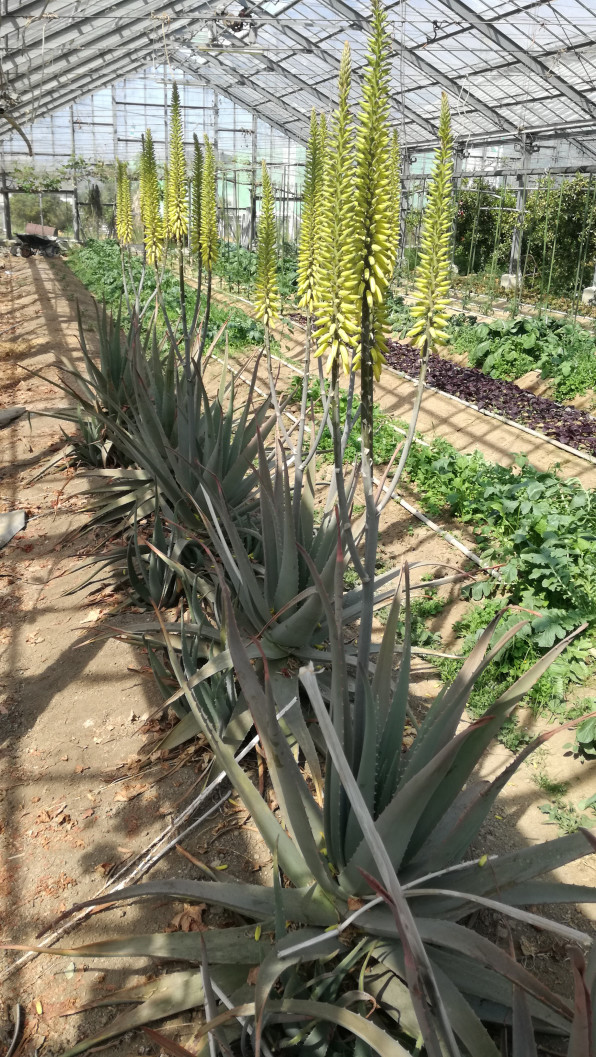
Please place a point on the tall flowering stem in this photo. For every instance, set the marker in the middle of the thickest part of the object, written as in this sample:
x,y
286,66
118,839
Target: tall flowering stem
x,y
177,205
395,193
150,215
123,205
374,269
195,220
433,277
209,236
166,198
267,293
336,276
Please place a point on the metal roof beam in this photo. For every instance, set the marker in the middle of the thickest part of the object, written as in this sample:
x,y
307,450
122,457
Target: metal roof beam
x,y
141,31
506,44
340,7
106,75
224,89
86,31
84,84
324,100
334,63
204,74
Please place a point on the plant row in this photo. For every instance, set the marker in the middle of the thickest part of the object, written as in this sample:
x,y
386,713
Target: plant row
x,y
365,941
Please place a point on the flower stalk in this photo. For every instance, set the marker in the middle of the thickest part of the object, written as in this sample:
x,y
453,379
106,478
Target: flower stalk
x,y
209,241
433,276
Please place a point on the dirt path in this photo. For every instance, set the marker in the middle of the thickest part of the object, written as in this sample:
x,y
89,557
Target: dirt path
x,y
72,715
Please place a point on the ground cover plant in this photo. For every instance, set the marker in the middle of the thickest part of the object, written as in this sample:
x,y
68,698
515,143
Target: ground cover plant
x,y
98,265
365,940
559,349
566,424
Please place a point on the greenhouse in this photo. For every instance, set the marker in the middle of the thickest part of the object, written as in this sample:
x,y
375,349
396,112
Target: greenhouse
x,y
298,528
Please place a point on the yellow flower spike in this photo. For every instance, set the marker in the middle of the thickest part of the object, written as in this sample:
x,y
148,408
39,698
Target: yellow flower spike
x,y
377,187
308,230
336,299
209,235
123,205
150,214
267,305
165,221
433,276
177,191
197,183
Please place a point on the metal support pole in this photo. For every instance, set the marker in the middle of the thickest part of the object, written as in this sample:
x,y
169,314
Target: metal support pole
x,y
6,204
114,122
253,189
521,179
216,124
403,204
75,191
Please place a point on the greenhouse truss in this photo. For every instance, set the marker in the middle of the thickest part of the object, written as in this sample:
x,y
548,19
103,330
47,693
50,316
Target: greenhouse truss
x,y
520,76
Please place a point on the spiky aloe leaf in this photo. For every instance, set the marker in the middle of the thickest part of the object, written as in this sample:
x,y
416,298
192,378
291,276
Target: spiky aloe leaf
x,y
177,191
150,202
336,279
197,183
267,291
433,273
209,239
374,225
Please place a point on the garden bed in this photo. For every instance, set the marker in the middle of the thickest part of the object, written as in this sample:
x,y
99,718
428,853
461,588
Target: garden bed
x,y
567,425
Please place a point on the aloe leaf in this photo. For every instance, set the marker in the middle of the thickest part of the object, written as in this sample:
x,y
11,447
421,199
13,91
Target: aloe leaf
x,y
227,945
392,733
400,818
285,690
454,937
583,1030
381,686
287,584
186,728
297,806
380,1041
544,924
473,749
275,964
420,975
272,832
523,1040
302,905
515,868
165,996
440,723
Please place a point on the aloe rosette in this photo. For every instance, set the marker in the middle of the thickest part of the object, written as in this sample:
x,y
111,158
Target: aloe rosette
x,y
377,890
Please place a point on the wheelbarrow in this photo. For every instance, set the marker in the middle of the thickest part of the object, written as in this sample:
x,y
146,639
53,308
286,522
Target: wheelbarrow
x,y
27,245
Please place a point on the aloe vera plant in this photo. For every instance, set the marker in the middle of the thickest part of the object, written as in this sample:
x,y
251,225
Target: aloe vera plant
x,y
383,902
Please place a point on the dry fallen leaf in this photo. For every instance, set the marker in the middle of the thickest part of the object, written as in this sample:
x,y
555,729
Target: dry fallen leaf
x,y
129,790
190,919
